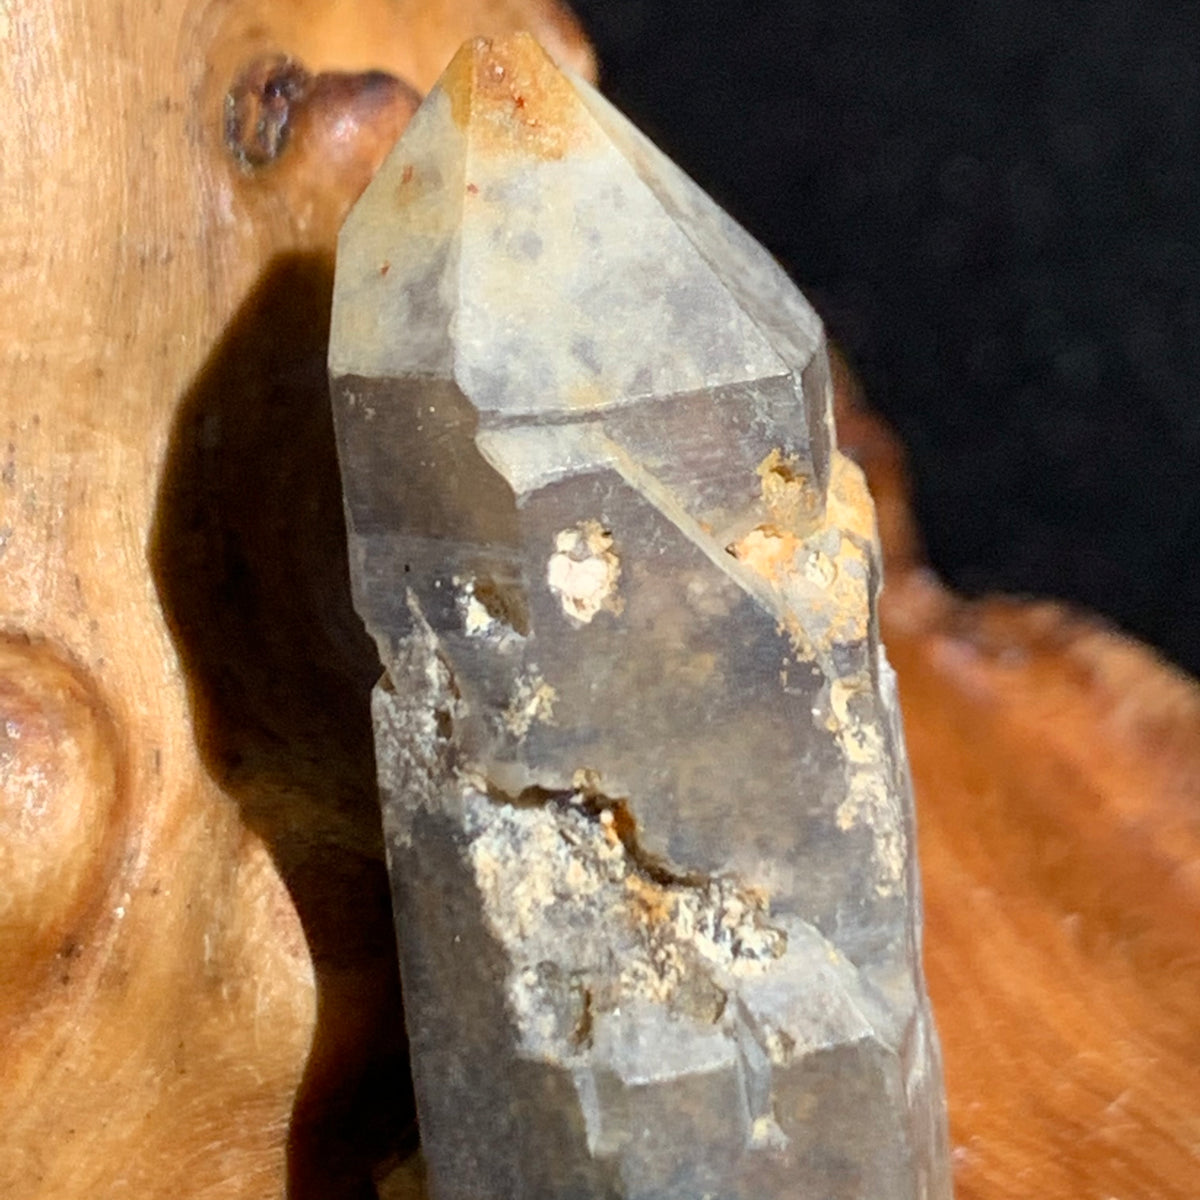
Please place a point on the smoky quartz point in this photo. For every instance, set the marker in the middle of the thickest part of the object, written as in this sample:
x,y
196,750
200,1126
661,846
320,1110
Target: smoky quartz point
x,y
645,796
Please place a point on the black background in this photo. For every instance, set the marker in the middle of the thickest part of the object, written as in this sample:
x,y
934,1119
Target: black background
x,y
995,207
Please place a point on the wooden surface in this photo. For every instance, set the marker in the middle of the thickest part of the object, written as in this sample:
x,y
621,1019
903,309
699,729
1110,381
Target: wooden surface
x,y
1057,768
198,990
197,980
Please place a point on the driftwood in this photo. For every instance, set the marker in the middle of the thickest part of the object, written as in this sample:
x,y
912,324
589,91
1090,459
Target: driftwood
x,y
198,992
1057,768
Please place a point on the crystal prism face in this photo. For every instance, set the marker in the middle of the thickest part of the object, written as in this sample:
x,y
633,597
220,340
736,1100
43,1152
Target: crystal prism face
x,y
645,797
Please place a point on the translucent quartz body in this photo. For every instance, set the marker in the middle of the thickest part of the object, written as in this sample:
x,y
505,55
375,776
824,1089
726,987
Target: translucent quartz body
x,y
646,804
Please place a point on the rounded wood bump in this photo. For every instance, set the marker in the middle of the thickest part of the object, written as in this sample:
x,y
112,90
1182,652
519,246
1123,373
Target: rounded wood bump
x,y
60,810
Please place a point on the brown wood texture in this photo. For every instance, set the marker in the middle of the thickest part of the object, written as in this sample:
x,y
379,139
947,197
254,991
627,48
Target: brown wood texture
x,y
198,988
197,980
1057,768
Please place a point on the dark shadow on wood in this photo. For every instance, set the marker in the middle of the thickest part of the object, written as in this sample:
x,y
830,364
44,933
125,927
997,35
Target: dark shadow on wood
x,y
249,557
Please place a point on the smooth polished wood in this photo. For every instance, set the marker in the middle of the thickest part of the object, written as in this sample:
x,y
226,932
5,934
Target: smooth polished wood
x,y
197,983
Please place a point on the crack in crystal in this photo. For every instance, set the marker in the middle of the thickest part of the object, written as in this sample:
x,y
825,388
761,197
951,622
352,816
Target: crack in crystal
x,y
613,813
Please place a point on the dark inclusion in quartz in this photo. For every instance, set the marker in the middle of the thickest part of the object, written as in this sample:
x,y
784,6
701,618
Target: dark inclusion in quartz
x,y
645,796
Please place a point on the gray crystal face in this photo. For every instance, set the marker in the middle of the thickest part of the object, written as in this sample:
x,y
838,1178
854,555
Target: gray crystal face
x,y
645,798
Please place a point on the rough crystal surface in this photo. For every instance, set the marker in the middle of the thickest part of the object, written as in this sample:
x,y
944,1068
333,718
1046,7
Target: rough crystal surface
x,y
645,796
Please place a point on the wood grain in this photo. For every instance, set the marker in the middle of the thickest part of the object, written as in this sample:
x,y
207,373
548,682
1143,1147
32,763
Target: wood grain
x,y
197,983
198,987
1057,767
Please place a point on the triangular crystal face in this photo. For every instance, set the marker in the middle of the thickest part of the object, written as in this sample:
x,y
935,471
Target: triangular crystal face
x,y
566,268
644,788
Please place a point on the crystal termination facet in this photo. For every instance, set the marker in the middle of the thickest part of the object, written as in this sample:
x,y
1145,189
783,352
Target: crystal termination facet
x,y
645,798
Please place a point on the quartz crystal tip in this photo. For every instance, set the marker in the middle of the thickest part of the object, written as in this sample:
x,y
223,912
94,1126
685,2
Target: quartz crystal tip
x,y
645,796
